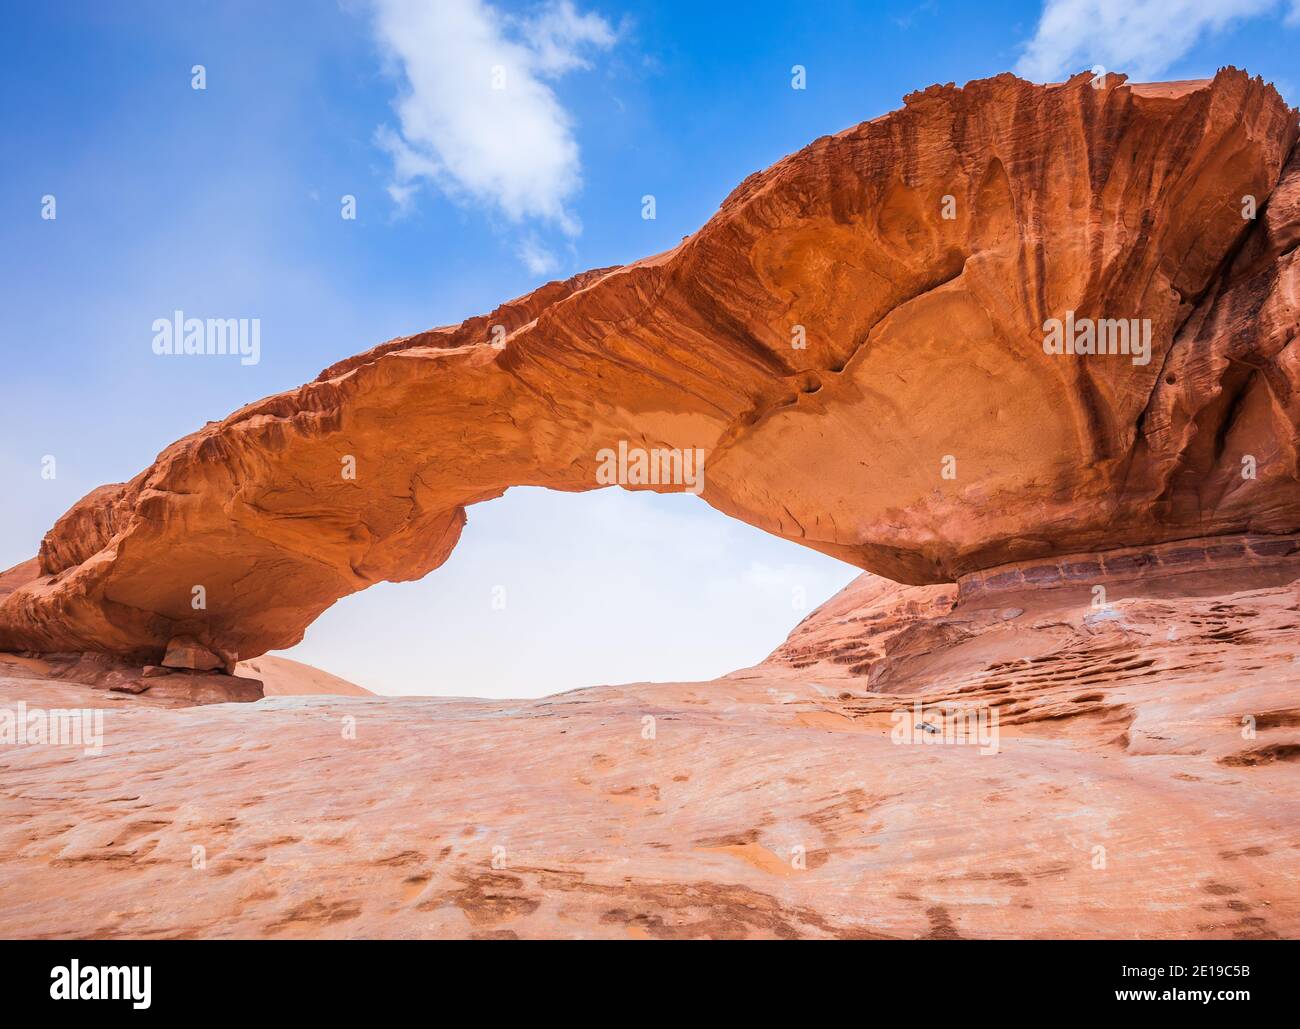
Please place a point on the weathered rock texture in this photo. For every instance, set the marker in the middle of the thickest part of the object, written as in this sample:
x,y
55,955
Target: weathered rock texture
x,y
774,802
923,342
99,680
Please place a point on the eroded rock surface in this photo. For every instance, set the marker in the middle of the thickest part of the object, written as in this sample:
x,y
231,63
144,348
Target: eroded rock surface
x,y
96,680
1142,785
830,340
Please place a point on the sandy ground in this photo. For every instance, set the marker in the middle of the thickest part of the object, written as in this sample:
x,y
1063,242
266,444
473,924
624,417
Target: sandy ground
x,y
284,677
1125,797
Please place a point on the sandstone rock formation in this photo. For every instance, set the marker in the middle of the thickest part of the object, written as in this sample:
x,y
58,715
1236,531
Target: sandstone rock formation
x,y
97,680
865,375
120,683
871,633
1125,797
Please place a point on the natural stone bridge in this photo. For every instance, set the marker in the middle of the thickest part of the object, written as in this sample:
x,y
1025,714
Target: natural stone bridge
x,y
855,342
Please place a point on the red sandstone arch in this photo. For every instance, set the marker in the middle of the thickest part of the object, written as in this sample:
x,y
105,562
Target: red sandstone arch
x,y
923,342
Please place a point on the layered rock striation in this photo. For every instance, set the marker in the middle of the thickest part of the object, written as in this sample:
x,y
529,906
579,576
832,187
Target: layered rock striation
x,y
855,343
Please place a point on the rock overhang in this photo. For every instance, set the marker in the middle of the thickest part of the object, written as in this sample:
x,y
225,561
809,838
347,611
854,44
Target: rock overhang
x,y
854,341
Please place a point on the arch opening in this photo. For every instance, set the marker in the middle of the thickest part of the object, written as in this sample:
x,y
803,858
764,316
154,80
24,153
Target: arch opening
x,y
550,591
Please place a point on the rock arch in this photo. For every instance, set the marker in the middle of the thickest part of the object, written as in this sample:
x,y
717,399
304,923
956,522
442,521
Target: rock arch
x,y
923,342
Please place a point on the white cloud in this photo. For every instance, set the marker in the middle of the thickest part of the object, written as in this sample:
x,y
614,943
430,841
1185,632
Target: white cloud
x,y
1141,38
477,117
537,259
1293,15
557,32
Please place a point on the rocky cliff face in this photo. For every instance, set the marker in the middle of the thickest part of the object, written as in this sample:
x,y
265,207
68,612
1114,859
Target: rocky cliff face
x,y
855,342
878,635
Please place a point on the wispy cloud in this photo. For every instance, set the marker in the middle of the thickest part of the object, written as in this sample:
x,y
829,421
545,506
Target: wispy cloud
x,y
536,257
477,117
1142,38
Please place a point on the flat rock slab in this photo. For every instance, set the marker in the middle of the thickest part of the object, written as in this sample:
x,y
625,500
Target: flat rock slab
x,y
771,803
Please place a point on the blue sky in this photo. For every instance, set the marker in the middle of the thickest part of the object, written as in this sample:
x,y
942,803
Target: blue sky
x,y
225,202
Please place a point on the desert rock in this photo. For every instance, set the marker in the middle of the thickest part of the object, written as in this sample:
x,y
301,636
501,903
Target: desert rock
x,y
854,342
1141,782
